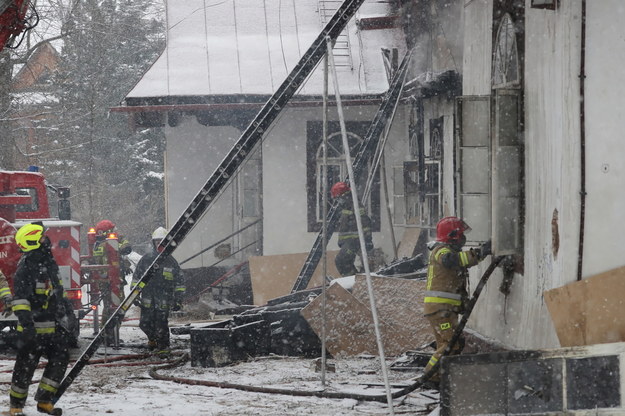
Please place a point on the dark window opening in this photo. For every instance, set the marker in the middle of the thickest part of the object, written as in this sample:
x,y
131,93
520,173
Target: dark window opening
x,y
336,170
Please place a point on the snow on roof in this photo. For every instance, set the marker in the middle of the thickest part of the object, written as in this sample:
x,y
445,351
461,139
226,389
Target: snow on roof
x,y
225,47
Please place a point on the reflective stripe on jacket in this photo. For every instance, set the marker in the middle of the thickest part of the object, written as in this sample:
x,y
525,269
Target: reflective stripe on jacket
x,y
447,273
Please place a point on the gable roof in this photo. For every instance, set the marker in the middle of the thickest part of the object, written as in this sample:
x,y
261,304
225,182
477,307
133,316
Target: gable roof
x,y
43,62
247,47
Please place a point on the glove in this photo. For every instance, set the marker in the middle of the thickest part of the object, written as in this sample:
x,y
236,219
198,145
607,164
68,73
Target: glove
x,y
58,292
6,303
125,250
486,249
27,337
177,306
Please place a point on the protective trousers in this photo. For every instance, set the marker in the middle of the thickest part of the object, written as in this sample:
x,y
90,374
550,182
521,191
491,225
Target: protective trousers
x,y
444,323
344,260
154,323
55,348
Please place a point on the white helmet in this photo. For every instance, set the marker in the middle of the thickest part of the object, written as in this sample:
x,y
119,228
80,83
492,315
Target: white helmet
x,y
159,233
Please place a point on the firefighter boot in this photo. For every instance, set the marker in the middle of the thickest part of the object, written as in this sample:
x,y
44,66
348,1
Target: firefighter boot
x,y
15,411
163,353
49,409
152,345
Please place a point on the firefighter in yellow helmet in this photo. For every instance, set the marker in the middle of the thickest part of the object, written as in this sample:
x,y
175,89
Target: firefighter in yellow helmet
x,y
446,289
37,303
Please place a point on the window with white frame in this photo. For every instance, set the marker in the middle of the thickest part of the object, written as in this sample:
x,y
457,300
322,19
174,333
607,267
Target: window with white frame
x,y
336,169
490,163
473,161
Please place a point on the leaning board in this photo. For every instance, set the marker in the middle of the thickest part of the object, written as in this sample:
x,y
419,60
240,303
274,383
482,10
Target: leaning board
x,y
589,311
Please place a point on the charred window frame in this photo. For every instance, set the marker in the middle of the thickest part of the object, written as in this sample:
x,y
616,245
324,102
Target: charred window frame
x,y
337,169
400,203
432,181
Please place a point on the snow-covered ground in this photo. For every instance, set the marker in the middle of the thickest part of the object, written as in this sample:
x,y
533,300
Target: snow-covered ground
x,y
123,387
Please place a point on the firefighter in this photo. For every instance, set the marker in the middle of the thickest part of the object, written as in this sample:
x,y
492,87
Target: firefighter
x,y
5,294
446,290
163,292
103,229
348,240
37,304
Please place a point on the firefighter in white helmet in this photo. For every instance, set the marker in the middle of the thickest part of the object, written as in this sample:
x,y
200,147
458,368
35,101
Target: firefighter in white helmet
x,y
163,292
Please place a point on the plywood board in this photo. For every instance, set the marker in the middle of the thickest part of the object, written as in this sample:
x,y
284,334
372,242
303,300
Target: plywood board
x,y
399,301
589,311
274,276
408,242
349,322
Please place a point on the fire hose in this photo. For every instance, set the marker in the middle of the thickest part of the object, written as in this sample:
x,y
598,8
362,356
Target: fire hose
x,y
332,394
107,362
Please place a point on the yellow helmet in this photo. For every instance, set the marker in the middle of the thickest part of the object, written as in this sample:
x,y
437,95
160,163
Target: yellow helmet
x,y
28,236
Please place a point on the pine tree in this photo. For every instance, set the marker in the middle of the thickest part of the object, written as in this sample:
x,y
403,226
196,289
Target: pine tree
x,y
108,46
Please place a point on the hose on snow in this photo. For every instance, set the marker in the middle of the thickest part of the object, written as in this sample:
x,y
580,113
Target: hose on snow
x,y
333,394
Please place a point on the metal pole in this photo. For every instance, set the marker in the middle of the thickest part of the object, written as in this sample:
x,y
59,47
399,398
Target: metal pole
x,y
324,199
361,237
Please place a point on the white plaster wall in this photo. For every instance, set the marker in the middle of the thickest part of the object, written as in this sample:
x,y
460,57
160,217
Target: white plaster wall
x,y
193,152
284,179
476,66
605,124
552,158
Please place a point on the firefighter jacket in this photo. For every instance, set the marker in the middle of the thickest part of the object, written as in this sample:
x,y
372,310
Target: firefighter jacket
x,y
165,287
447,277
100,257
348,229
38,292
5,290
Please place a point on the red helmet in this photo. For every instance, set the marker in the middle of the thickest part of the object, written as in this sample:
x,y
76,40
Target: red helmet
x,y
451,229
103,226
339,189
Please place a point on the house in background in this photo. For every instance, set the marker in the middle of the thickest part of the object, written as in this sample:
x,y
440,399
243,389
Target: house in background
x,y
221,64
510,119
33,93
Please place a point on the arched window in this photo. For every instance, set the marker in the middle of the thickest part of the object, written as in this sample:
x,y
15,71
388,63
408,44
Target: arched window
x,y
336,166
506,56
336,169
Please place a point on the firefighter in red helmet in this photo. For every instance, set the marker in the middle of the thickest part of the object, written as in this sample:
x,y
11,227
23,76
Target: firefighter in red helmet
x,y
103,229
348,239
446,289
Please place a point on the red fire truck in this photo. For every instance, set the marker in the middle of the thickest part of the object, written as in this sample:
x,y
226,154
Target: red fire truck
x,y
24,198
